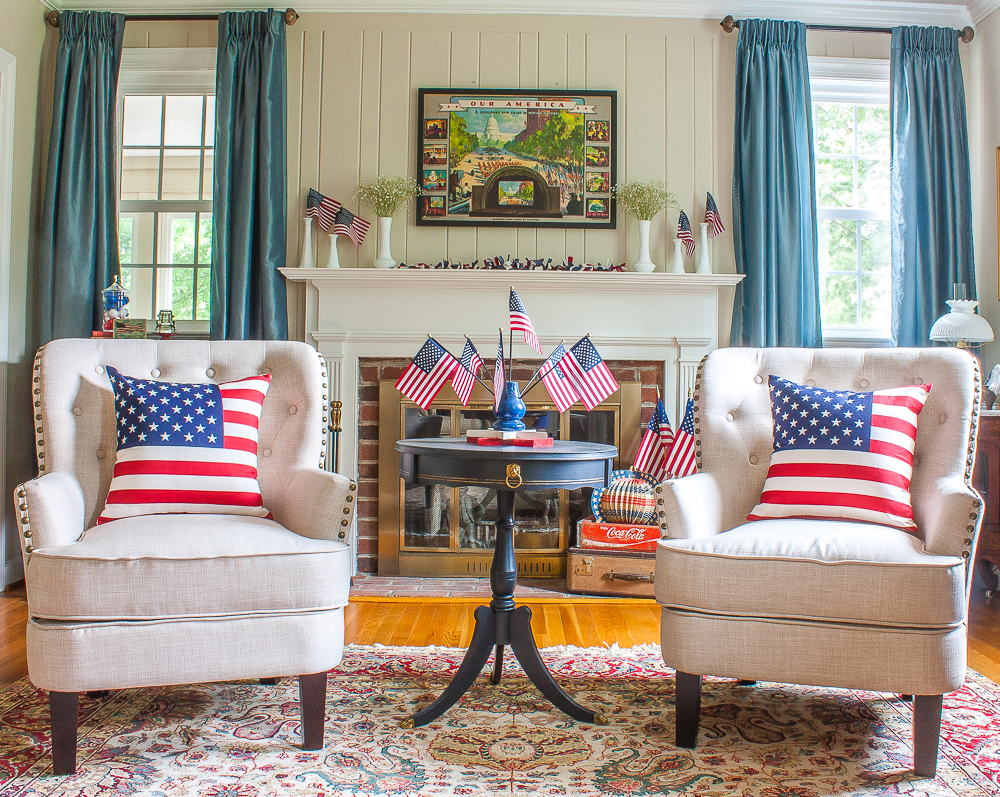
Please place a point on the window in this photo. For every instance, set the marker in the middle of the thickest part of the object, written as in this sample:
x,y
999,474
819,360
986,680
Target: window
x,y
167,113
851,130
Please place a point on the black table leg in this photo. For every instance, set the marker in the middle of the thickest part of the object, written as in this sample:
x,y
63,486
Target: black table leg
x,y
500,624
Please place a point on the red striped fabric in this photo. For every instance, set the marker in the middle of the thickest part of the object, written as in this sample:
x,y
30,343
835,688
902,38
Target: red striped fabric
x,y
186,448
841,455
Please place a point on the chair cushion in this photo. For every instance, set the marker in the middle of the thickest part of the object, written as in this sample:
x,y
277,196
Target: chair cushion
x,y
841,454
164,566
814,570
185,447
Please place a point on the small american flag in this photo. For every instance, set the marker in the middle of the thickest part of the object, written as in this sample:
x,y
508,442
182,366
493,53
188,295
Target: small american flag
x,y
656,442
841,454
185,447
463,380
559,387
354,227
588,373
712,216
470,358
499,380
684,233
425,376
322,207
680,461
519,320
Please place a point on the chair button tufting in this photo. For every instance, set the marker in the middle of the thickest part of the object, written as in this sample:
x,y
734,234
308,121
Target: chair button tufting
x,y
917,380
916,460
753,459
759,379
100,453
266,452
210,372
99,369
729,416
292,410
942,418
863,383
265,371
811,382
77,411
155,373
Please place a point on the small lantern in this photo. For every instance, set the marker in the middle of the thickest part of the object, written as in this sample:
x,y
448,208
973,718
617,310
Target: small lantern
x,y
165,322
115,303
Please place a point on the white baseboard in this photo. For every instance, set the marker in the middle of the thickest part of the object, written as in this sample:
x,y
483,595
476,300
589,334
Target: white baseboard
x,y
13,571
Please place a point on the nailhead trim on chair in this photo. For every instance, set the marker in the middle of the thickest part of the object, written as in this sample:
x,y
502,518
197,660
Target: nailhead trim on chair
x,y
39,430
326,418
348,510
22,517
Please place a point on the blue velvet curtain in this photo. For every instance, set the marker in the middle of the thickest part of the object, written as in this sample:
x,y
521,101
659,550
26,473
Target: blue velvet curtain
x,y
774,192
930,184
79,236
248,292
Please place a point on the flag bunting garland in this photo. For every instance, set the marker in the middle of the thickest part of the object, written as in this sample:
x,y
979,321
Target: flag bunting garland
x,y
519,321
425,376
684,233
322,208
713,217
681,461
656,443
354,227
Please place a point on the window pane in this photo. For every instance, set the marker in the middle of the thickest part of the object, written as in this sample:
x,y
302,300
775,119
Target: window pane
x,y
140,303
182,126
873,184
205,238
839,300
181,292
181,170
210,121
142,226
835,129
838,245
125,239
874,246
206,185
873,131
204,304
178,234
141,121
140,173
875,306
834,183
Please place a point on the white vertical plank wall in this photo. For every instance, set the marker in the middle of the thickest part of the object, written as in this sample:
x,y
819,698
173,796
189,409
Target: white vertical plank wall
x,y
353,81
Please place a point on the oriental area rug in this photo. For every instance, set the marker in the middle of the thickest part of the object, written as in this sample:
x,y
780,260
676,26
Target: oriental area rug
x,y
240,739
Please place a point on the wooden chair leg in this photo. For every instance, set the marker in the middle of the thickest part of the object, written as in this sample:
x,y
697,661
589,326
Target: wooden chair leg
x,y
687,709
312,705
64,713
269,681
926,732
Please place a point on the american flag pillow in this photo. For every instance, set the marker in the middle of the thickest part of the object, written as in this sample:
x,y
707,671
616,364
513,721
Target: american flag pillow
x,y
841,455
186,448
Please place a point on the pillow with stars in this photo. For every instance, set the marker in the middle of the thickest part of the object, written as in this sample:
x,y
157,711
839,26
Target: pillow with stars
x,y
841,455
188,448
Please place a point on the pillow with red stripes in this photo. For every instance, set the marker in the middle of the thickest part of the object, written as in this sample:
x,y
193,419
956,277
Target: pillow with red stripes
x,y
186,448
841,455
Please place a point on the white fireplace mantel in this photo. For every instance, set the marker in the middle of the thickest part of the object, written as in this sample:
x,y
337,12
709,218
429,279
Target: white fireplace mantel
x,y
354,313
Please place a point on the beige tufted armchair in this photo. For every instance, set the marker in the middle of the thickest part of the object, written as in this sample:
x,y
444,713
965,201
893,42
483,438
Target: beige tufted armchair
x,y
186,598
821,602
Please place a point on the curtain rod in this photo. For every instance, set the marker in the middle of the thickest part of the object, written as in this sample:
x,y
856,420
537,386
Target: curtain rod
x,y
290,16
729,24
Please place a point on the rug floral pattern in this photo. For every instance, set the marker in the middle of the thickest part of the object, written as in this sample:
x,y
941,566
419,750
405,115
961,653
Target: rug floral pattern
x,y
240,739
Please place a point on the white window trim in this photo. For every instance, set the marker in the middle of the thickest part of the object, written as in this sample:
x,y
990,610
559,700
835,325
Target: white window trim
x,y
167,70
850,81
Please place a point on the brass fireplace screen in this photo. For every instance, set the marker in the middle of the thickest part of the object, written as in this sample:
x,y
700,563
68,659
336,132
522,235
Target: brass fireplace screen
x,y
448,531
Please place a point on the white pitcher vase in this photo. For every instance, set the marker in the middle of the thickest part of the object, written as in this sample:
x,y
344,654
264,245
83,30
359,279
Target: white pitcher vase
x,y
644,264
334,261
704,265
677,264
384,258
307,260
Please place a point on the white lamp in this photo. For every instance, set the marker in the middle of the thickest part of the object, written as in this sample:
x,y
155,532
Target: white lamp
x,y
962,326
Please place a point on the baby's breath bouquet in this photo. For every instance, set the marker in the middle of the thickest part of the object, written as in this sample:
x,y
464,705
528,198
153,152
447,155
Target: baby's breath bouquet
x,y
387,194
643,200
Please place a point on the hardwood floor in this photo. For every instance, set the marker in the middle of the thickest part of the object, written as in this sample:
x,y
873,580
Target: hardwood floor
x,y
448,622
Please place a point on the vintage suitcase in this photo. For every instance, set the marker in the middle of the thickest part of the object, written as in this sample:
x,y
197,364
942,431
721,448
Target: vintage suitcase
x,y
608,572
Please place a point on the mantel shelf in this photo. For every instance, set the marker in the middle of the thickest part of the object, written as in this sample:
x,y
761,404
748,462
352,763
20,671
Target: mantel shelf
x,y
483,279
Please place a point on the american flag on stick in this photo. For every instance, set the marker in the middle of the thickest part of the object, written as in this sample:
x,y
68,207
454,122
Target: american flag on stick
x,y
655,445
425,376
519,321
680,461
322,207
588,373
464,377
556,382
684,233
470,357
713,217
354,227
499,380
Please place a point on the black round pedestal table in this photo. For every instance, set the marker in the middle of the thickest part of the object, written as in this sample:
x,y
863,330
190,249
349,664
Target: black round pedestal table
x,y
507,469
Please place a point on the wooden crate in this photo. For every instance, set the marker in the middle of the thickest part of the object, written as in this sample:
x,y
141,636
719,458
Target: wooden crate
x,y
610,572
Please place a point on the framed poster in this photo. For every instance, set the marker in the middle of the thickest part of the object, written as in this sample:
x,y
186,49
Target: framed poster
x,y
517,158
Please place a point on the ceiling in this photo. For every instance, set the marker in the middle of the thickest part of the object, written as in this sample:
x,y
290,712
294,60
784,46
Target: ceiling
x,y
949,13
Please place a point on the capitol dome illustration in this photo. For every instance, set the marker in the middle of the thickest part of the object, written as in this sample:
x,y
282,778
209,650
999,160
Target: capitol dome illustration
x,y
492,132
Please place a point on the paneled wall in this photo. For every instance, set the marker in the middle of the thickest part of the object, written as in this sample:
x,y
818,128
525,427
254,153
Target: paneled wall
x,y
353,83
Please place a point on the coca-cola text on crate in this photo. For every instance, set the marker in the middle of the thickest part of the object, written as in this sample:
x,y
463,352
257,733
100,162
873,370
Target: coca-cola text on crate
x,y
592,534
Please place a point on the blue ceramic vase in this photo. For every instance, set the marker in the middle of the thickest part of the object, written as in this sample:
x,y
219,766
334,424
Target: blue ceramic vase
x,y
511,409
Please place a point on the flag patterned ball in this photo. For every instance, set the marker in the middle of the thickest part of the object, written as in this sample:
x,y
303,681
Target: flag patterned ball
x,y
628,500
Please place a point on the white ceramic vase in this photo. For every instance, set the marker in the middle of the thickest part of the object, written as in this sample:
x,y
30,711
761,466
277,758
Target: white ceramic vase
x,y
307,260
334,261
644,264
704,264
384,258
677,264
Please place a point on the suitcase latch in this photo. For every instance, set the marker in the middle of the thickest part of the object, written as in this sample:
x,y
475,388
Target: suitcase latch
x,y
585,567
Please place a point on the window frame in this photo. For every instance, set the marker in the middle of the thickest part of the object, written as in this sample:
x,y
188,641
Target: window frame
x,y
850,81
159,72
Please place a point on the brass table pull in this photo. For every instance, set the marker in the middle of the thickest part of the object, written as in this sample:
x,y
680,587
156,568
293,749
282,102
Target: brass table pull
x,y
613,576
513,472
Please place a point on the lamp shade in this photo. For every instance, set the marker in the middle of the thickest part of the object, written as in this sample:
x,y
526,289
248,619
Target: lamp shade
x,y
962,324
